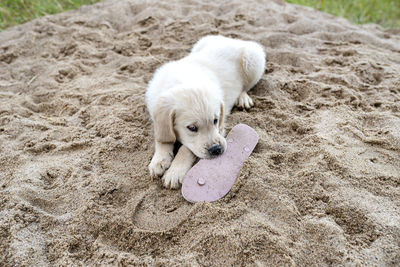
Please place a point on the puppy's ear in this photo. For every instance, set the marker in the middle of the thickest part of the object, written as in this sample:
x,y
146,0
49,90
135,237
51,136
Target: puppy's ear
x,y
164,116
221,121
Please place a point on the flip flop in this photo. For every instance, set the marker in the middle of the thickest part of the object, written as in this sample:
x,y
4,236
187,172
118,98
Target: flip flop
x,y
211,179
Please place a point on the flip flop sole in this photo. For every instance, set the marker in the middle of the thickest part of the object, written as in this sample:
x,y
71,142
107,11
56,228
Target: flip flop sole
x,y
211,179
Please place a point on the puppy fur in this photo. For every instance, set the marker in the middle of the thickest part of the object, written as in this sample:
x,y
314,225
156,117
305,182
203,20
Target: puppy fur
x,y
188,100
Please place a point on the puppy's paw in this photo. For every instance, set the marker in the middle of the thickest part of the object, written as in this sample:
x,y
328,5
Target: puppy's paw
x,y
159,164
173,177
244,101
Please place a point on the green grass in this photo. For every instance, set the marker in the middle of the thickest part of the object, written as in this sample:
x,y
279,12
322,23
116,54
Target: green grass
x,y
383,12
13,12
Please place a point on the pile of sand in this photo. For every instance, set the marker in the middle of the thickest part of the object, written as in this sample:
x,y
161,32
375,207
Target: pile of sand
x,y
321,188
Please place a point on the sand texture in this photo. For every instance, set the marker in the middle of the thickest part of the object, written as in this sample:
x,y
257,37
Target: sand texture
x,y
320,189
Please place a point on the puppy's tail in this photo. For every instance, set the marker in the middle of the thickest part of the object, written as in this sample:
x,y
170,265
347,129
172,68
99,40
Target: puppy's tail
x,y
252,64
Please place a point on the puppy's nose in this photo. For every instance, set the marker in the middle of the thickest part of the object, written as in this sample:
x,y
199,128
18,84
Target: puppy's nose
x,y
215,150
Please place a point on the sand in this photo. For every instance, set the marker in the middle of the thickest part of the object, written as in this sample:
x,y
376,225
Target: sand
x,y
320,189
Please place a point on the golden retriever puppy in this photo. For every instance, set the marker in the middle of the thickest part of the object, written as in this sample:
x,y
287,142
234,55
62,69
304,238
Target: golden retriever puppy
x,y
188,100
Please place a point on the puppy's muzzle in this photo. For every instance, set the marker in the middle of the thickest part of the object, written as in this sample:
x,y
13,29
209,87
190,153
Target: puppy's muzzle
x,y
215,150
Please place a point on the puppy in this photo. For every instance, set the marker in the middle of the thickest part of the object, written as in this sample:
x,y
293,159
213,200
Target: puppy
x,y
188,100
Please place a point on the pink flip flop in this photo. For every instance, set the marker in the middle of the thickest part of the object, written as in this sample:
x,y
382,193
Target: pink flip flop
x,y
211,179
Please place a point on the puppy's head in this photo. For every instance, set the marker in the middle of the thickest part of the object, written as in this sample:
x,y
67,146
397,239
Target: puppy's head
x,y
194,117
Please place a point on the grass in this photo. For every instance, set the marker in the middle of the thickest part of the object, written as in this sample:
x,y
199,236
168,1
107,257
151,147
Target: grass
x,y
383,12
14,12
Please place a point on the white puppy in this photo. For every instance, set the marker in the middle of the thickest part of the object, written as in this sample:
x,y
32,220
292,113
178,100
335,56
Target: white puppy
x,y
188,100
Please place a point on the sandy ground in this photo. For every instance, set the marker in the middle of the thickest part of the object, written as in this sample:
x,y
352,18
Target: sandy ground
x,y
320,189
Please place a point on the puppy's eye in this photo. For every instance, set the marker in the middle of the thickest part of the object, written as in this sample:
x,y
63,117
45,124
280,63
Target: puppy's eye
x,y
192,128
215,121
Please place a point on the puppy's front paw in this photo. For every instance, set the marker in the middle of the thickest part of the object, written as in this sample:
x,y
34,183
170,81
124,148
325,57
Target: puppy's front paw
x,y
159,164
244,101
173,177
